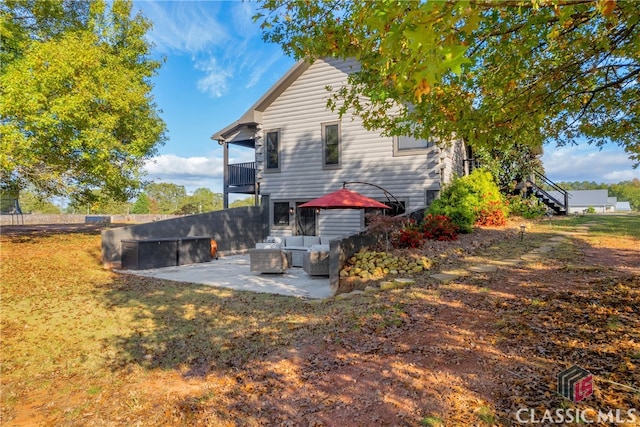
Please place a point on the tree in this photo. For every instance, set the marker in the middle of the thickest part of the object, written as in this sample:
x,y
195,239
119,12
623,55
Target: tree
x,y
627,191
490,72
165,197
142,205
508,164
31,202
99,203
76,110
247,201
202,200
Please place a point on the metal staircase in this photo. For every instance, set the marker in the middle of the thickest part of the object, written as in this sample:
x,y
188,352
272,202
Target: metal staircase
x,y
559,207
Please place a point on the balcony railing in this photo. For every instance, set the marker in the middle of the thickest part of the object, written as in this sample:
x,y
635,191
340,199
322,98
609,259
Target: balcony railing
x,y
242,174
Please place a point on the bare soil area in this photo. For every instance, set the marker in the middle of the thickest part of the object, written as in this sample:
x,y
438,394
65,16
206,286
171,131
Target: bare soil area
x,y
475,350
482,349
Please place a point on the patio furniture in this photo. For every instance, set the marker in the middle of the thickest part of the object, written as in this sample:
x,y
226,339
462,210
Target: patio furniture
x,y
297,245
269,260
300,245
315,262
143,254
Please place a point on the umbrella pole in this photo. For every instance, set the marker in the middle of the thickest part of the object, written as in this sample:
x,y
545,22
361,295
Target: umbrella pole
x,y
386,192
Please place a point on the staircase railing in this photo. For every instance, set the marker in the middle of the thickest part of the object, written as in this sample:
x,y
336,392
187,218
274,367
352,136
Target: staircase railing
x,y
565,193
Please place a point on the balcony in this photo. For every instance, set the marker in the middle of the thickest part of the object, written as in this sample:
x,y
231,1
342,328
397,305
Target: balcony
x,y
242,178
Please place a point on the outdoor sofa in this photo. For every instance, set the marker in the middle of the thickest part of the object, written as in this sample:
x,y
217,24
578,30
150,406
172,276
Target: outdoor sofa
x,y
296,245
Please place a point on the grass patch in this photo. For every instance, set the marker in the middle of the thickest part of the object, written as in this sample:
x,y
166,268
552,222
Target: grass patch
x,y
432,421
82,345
71,328
627,225
486,415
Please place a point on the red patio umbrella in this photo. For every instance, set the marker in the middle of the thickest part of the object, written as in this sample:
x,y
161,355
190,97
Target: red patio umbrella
x,y
344,199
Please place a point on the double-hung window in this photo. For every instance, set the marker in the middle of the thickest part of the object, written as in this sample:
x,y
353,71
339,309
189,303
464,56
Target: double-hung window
x,y
331,141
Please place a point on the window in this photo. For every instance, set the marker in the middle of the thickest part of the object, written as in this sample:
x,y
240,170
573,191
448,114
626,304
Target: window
x,y
331,142
273,151
431,195
407,145
281,213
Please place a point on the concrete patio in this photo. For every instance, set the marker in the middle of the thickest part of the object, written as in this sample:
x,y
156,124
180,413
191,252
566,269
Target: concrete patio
x,y
233,272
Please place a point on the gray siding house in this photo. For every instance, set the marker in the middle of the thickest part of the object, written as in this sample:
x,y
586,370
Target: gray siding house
x,y
303,150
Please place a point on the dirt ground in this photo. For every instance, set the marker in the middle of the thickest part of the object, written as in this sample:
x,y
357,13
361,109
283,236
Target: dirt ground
x,y
472,351
475,350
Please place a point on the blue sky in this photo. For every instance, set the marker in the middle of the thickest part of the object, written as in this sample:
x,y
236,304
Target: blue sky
x,y
217,66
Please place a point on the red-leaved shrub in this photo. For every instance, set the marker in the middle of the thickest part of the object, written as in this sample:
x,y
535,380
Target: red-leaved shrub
x,y
492,215
439,227
410,238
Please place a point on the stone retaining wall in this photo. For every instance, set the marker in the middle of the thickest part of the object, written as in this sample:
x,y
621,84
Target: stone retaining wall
x,y
344,249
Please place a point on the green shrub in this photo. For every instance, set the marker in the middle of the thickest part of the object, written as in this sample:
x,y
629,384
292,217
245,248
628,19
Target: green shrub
x,y
472,199
456,202
526,207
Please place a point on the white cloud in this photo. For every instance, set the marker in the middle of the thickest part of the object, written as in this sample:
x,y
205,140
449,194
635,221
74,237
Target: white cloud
x,y
243,19
216,81
220,37
178,26
172,164
258,71
586,163
622,175
193,172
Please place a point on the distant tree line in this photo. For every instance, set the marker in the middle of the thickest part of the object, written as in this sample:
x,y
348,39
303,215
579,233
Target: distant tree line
x,y
156,198
167,198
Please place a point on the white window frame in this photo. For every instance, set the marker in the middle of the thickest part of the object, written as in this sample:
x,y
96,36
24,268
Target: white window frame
x,y
397,151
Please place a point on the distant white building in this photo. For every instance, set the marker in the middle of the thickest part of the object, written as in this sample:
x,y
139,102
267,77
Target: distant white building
x,y
623,207
580,200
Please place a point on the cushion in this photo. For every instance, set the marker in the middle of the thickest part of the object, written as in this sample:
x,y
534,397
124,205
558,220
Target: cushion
x,y
268,246
273,239
319,248
326,239
311,240
294,241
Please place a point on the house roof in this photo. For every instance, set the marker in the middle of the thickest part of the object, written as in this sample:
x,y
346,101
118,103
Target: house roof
x,y
253,116
585,197
623,206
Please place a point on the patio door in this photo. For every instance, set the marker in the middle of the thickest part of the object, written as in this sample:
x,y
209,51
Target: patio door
x,y
305,221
